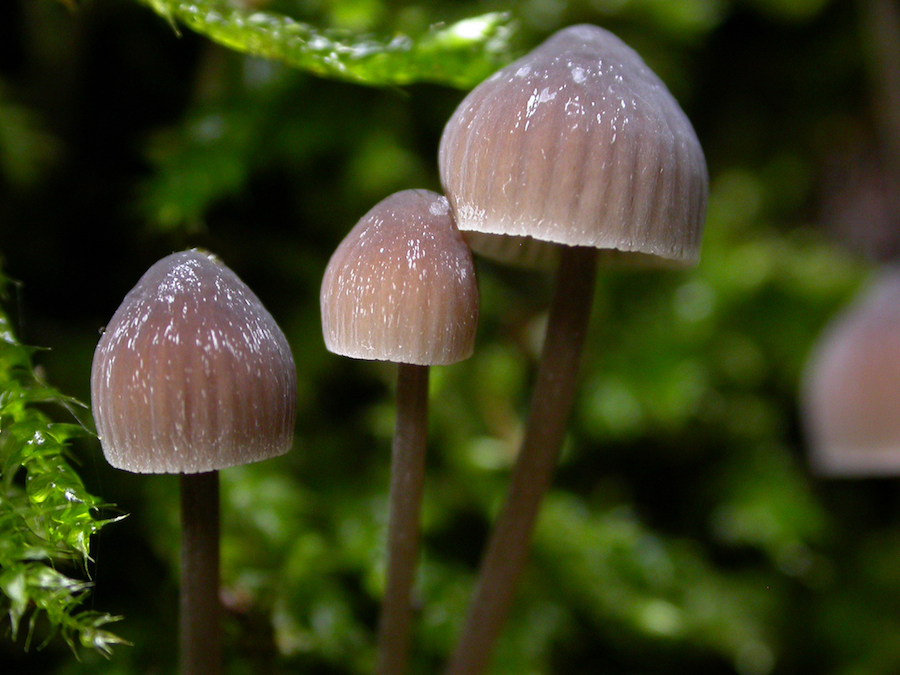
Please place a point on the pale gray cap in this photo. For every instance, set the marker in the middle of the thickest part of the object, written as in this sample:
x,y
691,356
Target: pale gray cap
x,y
192,374
850,395
576,143
401,286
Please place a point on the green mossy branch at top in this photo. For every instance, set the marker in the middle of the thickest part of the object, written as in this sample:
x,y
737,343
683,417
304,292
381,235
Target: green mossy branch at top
x,y
46,515
459,55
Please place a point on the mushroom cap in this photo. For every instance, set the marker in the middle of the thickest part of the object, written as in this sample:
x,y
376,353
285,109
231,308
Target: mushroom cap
x,y
192,373
401,286
576,143
850,398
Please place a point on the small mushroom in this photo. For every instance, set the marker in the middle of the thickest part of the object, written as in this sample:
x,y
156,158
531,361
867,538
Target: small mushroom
x,y
575,147
851,387
193,375
578,143
401,287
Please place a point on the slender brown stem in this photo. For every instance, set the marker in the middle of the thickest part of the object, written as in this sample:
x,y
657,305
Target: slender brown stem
x,y
407,479
551,404
200,609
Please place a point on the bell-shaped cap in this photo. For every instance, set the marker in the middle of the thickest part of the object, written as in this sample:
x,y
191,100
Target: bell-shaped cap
x,y
851,388
576,143
401,286
192,373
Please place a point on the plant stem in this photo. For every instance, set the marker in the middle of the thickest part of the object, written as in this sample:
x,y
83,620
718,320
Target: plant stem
x,y
551,404
200,625
407,479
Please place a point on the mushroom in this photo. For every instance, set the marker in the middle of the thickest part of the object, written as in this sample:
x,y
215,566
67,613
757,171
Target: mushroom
x,y
193,375
851,387
575,147
401,287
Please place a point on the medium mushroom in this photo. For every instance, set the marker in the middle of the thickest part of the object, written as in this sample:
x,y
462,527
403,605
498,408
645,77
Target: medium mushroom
x,y
575,147
193,375
851,387
401,287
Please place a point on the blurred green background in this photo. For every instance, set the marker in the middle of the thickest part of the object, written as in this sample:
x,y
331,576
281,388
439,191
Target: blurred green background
x,y
684,534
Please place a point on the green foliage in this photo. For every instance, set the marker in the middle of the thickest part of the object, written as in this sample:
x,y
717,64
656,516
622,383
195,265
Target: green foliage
x,y
461,54
25,148
47,517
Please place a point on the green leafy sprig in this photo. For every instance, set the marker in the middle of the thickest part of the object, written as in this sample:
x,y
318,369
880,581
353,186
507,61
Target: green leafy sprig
x,y
47,516
459,55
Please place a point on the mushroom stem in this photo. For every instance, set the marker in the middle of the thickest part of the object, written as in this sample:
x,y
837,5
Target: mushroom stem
x,y
200,627
407,479
551,404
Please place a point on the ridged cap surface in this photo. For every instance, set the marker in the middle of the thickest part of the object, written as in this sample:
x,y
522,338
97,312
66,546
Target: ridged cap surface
x,y
192,373
851,389
577,143
401,286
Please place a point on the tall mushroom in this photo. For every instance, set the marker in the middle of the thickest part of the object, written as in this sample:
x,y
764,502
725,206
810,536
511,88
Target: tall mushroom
x,y
575,147
193,375
401,287
851,388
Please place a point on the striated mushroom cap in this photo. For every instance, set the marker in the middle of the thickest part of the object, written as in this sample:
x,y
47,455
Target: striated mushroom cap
x,y
192,373
576,143
851,388
401,286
